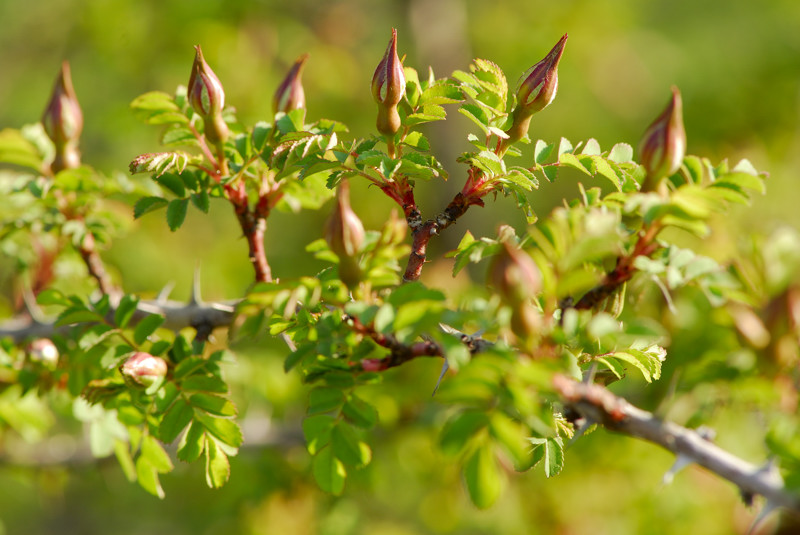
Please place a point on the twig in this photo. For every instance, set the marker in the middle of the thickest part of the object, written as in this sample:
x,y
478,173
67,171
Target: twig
x,y
597,404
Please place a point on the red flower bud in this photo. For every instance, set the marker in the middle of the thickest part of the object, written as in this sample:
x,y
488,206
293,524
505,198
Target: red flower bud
x,y
536,90
290,95
388,88
44,351
207,97
143,369
345,235
63,121
663,145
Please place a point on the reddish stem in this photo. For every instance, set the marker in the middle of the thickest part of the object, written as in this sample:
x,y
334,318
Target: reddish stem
x,y
623,271
94,264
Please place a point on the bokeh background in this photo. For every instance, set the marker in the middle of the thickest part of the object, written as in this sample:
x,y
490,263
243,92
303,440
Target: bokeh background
x,y
737,63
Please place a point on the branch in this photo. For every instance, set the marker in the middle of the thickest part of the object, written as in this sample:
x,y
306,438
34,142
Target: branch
x,y
597,404
202,316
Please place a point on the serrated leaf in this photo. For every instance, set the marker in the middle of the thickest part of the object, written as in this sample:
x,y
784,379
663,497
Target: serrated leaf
x,y
476,114
154,452
17,150
192,443
146,327
224,429
482,477
147,476
148,204
175,420
51,296
204,383
218,468
360,412
324,399
570,160
125,310
347,447
176,213
201,201
317,431
213,404
329,472
621,153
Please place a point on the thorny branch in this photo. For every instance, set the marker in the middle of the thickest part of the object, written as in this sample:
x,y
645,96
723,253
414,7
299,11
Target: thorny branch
x,y
597,404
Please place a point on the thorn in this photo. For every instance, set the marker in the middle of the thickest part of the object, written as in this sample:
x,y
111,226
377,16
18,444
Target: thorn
x,y
588,377
681,462
706,433
445,367
32,307
165,291
769,507
195,298
582,424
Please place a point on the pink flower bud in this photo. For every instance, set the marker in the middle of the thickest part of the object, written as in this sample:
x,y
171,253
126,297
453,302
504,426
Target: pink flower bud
x,y
514,275
539,84
44,351
388,88
536,90
290,95
143,369
345,235
63,121
207,97
663,145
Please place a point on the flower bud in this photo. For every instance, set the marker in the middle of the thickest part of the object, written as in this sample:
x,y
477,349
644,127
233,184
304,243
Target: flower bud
x,y
388,88
290,95
63,121
143,369
663,145
207,98
44,351
345,235
536,90
514,275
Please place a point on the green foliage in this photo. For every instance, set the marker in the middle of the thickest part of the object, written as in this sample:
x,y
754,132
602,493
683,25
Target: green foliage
x,y
606,270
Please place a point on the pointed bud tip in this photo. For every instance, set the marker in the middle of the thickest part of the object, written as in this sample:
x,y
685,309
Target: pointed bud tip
x,y
663,144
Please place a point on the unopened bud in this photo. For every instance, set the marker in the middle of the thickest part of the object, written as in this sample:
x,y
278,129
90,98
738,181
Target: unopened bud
x,y
663,145
143,369
516,278
207,98
290,95
345,235
44,351
63,122
536,90
388,88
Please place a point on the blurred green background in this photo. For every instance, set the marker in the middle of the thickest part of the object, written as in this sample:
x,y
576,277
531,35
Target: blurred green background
x,y
737,63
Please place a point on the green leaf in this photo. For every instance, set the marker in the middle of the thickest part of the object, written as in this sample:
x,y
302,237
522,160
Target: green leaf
x,y
201,201
476,114
175,420
148,204
360,412
51,296
176,213
621,153
459,430
329,472
218,468
512,436
147,475
146,327
157,107
224,429
324,399
125,309
152,450
213,404
570,160
417,140
192,443
204,383
125,459
551,451
317,431
261,131
172,182
78,315
347,447
17,150
482,477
